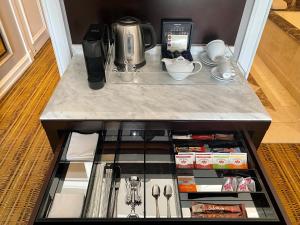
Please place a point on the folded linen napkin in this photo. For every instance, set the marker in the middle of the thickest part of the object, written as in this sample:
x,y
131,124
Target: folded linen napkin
x,y
82,146
67,205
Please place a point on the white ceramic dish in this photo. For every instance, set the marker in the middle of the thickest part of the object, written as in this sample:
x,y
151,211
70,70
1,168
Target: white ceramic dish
x,y
218,76
206,60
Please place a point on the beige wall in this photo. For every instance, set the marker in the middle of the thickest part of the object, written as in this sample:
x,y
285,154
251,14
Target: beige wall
x,y
34,19
30,16
26,32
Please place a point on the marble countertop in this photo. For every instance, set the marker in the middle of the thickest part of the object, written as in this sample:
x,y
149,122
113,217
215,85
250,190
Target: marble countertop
x,y
74,100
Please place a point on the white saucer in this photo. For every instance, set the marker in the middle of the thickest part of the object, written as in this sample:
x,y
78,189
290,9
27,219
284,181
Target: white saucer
x,y
206,60
216,74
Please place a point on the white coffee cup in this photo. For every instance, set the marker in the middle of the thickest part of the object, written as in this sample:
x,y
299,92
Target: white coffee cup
x,y
215,49
225,69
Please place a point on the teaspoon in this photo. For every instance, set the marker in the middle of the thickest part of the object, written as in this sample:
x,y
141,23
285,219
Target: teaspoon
x,y
168,194
156,194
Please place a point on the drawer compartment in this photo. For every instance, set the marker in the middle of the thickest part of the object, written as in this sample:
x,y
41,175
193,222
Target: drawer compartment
x,y
133,177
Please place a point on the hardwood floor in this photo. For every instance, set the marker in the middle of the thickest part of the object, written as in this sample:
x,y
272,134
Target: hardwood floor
x,y
285,127
25,153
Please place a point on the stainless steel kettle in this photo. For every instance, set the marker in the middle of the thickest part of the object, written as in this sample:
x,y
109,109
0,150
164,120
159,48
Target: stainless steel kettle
x,y
130,35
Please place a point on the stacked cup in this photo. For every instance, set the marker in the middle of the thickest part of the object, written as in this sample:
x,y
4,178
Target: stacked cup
x,y
216,52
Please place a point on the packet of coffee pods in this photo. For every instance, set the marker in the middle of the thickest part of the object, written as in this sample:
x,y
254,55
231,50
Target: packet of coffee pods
x,y
204,161
226,150
224,137
185,160
238,161
186,184
230,184
220,160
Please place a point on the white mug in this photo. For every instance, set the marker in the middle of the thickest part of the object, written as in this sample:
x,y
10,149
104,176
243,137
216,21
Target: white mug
x,y
215,49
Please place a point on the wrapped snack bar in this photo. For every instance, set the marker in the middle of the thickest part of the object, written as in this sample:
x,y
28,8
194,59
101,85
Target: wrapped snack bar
x,y
207,210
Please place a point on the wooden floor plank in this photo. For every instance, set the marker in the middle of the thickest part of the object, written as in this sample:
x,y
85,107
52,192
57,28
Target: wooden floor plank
x,y
25,153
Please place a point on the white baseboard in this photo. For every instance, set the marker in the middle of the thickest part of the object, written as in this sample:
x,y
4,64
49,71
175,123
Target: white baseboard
x,y
14,74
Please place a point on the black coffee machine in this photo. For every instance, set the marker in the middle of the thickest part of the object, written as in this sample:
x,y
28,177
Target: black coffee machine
x,y
95,48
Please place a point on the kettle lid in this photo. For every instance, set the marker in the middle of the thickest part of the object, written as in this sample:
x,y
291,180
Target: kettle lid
x,y
129,20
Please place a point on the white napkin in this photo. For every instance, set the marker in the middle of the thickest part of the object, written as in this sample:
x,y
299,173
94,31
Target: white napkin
x,y
77,177
82,146
67,205
79,171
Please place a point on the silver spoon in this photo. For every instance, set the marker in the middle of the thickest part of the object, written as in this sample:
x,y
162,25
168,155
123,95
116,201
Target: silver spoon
x,y
156,194
168,194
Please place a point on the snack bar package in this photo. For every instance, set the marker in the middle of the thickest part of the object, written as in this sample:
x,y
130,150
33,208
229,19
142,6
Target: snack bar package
x,y
200,148
224,137
186,184
182,148
204,161
182,137
238,161
193,148
220,160
207,210
226,150
203,137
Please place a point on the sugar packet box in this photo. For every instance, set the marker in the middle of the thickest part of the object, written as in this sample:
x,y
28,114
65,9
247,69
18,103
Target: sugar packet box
x,y
238,161
220,160
185,160
186,184
204,161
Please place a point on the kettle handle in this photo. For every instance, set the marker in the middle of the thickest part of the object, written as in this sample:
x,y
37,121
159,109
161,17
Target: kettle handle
x,y
148,26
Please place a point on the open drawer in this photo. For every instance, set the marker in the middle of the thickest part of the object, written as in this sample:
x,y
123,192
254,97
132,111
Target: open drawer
x,y
133,176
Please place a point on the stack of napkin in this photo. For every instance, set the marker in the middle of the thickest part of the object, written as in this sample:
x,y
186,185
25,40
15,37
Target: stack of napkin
x,y
82,147
77,177
67,205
